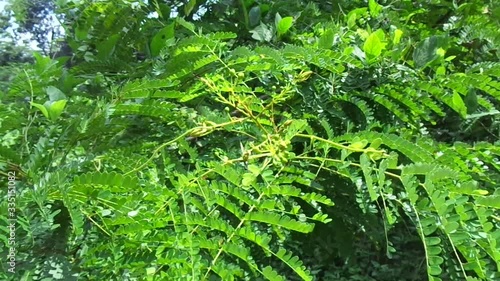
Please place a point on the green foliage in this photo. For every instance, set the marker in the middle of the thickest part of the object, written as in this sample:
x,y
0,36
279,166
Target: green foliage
x,y
298,150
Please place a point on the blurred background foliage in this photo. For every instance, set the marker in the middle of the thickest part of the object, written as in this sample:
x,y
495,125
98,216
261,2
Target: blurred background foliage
x,y
90,88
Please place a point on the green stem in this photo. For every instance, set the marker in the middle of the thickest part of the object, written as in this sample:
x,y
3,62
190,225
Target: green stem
x,y
245,13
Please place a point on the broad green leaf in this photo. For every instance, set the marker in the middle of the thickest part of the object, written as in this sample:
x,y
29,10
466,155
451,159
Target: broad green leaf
x,y
375,143
373,46
150,271
283,24
42,108
348,51
351,20
43,63
353,15
163,11
326,40
254,16
56,108
188,8
262,33
54,94
375,8
277,19
189,26
363,33
450,58
459,105
160,39
451,227
381,35
427,51
441,71
471,101
441,52
397,36
81,32
106,48
248,179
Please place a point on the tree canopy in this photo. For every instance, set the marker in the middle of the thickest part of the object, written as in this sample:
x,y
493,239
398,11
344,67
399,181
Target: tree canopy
x,y
250,140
